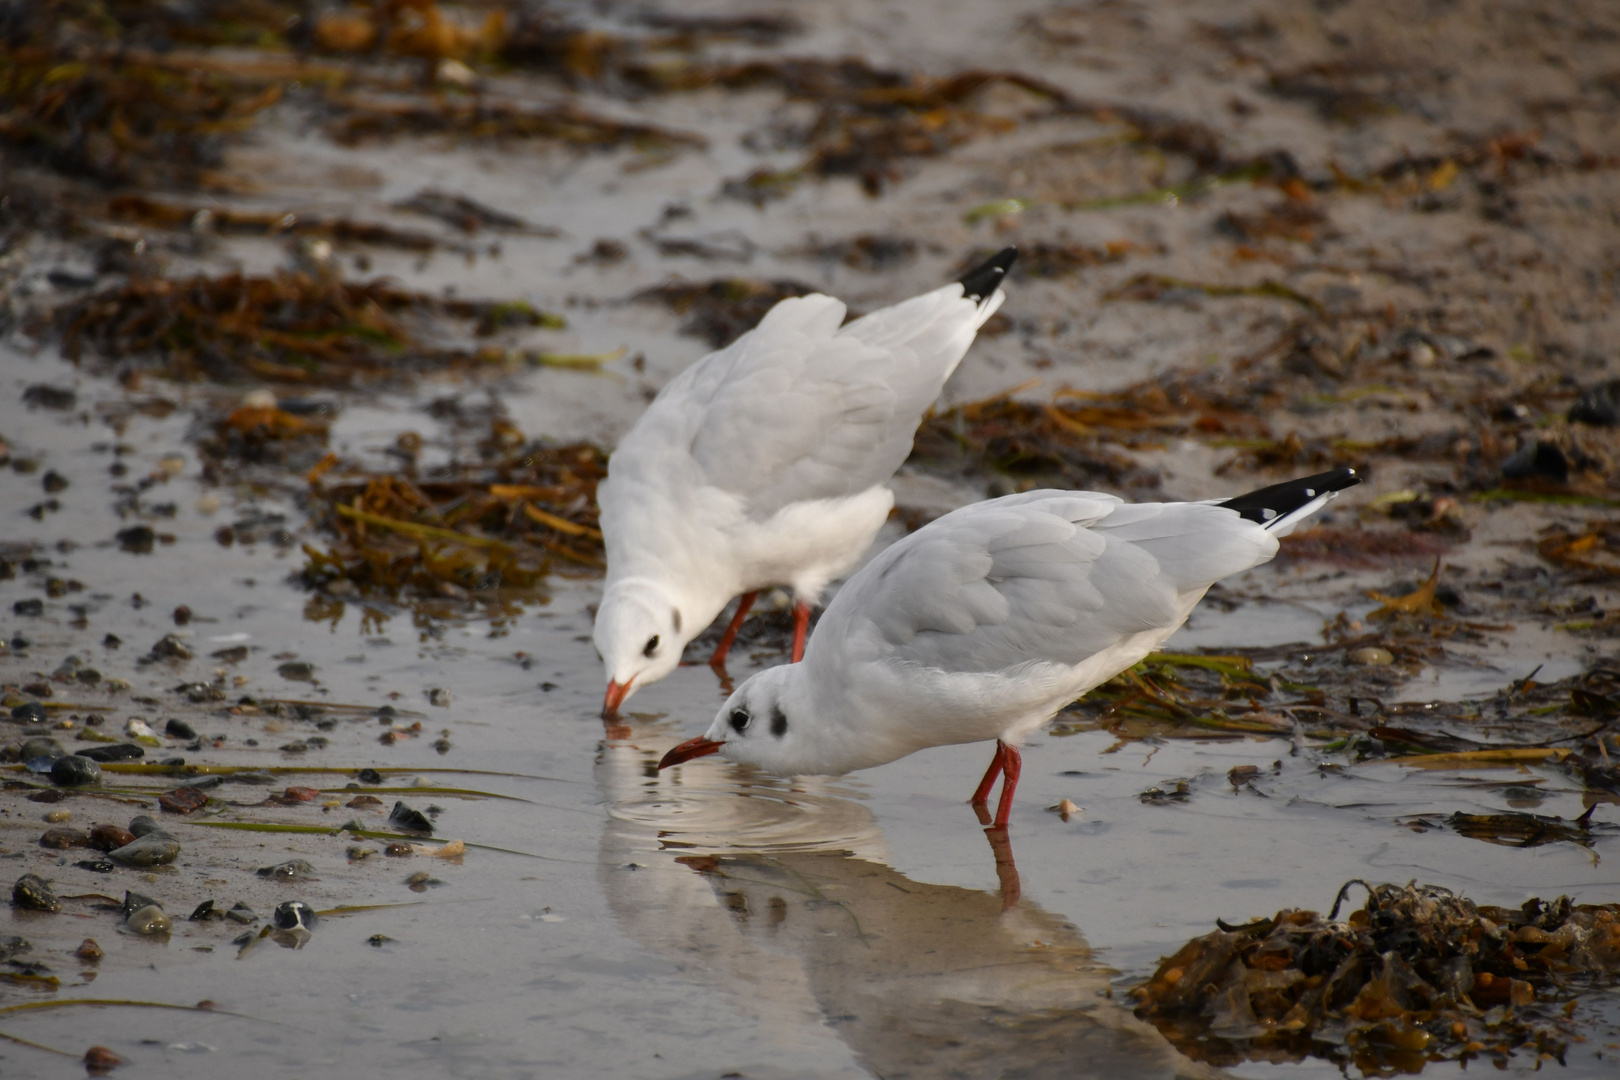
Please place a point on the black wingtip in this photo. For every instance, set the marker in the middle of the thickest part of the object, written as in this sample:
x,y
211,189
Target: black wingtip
x,y
983,279
1270,503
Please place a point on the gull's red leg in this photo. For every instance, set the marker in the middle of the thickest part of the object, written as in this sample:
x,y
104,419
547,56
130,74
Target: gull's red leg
x,y
801,628
982,794
718,660
1012,764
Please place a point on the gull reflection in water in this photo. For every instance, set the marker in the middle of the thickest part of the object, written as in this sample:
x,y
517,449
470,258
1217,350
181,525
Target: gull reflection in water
x,y
778,892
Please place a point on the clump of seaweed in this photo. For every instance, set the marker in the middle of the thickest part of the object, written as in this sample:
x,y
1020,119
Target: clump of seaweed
x,y
114,116
291,328
462,529
1419,974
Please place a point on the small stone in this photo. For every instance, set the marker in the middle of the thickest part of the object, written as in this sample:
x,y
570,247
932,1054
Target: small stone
x,y
45,396
182,615
144,825
49,795
64,838
33,892
32,606
89,951
293,915
142,732
169,647
134,901
56,817
179,729
356,853
403,817
202,912
399,849
1371,656
53,482
29,712
98,866
149,920
147,851
292,869
1599,406
370,776
113,752
377,941
439,696
71,770
297,670
182,800
110,837
421,877
40,747
364,802
99,1059
137,539
241,913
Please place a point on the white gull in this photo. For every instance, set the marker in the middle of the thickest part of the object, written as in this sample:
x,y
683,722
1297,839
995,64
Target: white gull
x,y
986,622
765,463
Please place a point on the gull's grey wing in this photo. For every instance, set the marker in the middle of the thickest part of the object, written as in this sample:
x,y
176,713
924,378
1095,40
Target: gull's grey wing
x,y
799,409
1043,576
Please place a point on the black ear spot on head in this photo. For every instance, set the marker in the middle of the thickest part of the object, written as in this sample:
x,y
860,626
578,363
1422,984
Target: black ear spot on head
x,y
778,722
675,619
740,720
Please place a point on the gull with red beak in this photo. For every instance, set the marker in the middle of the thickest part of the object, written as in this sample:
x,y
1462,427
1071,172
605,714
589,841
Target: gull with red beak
x,y
766,463
986,622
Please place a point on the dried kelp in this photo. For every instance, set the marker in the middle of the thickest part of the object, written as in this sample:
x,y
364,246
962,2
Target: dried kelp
x,y
1419,974
292,328
169,215
461,530
118,118
360,118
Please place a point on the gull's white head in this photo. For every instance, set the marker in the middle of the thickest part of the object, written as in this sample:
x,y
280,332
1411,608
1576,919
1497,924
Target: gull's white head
x,y
640,635
766,722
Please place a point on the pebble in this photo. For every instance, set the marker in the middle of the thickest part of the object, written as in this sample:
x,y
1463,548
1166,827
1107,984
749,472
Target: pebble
x,y
170,647
144,825
108,837
64,838
179,729
1371,656
71,770
364,802
370,776
439,696
38,747
356,852
202,912
141,732
31,891
89,951
29,712
241,913
293,915
134,901
147,851
290,870
56,817
410,820
98,866
149,920
98,1060
399,849
113,752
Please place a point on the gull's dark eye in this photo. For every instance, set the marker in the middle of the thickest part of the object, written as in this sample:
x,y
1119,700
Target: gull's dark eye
x,y
740,720
651,647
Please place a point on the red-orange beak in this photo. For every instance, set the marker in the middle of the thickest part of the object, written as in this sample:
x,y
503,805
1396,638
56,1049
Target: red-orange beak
x,y
691,748
613,699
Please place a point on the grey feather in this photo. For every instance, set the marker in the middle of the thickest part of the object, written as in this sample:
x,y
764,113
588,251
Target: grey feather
x,y
1042,576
